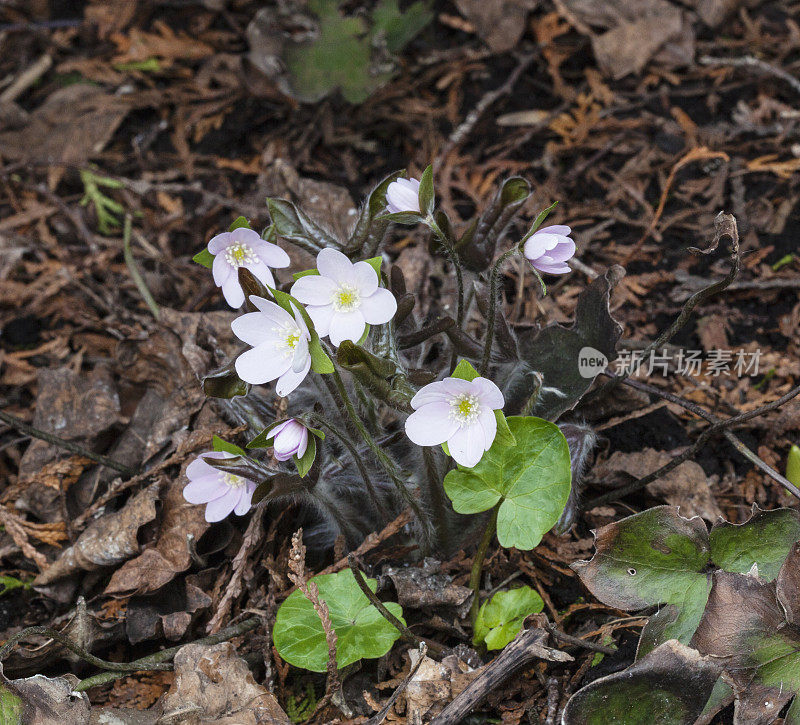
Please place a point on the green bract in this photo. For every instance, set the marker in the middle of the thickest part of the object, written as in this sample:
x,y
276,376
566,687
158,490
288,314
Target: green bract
x,y
531,480
361,630
500,618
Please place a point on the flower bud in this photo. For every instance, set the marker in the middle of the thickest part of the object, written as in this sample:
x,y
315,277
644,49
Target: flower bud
x,y
290,439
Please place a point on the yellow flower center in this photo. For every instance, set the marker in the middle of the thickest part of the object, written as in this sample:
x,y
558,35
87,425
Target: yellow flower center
x,y
288,337
232,480
464,408
346,298
239,255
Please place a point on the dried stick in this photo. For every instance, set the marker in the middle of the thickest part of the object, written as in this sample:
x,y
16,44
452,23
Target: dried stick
x,y
405,632
719,426
711,418
724,225
748,61
378,718
24,427
297,574
133,268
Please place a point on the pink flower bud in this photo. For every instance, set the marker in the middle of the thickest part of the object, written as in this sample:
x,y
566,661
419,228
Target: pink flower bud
x,y
403,195
290,439
548,249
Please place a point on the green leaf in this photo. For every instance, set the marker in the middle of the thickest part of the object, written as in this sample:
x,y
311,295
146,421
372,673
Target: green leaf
x,y
402,217
305,273
11,707
239,223
261,440
320,362
500,618
292,224
305,462
503,431
370,227
361,630
669,686
793,465
465,371
375,263
225,383
399,27
427,199
205,258
531,480
540,217
220,445
657,557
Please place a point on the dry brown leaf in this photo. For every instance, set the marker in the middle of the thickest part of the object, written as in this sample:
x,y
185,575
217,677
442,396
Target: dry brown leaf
x,y
214,685
685,486
107,541
140,45
156,566
500,23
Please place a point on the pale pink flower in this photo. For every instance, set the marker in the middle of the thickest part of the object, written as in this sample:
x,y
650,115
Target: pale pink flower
x,y
403,195
291,439
549,248
222,492
344,297
280,346
243,248
457,412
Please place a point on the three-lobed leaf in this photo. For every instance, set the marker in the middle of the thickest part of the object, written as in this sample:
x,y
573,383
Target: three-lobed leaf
x,y
501,617
530,480
361,630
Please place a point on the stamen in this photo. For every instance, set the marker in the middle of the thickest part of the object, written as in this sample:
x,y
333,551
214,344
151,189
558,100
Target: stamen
x,y
464,408
289,336
232,480
239,255
346,298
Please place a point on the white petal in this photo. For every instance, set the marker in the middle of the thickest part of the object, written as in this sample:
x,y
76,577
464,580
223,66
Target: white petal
x,y
366,278
271,311
313,289
467,445
301,356
557,229
198,468
219,508
262,273
246,501
346,326
554,268
379,307
232,292
219,242
221,270
245,235
261,364
205,489
271,254
488,421
431,424
321,317
458,386
253,328
332,263
432,393
488,393
290,380
539,243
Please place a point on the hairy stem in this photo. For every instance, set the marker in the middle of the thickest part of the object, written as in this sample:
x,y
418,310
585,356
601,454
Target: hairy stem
x,y
477,564
494,280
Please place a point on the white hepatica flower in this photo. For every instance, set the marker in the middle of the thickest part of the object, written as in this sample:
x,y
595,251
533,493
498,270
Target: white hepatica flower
x,y
280,346
403,195
344,297
549,248
243,248
457,412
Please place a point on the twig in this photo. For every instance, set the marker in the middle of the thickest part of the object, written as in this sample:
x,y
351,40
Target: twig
x,y
297,565
405,632
24,427
165,655
378,718
529,645
477,564
748,61
725,225
711,418
133,268
717,427
577,641
26,79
